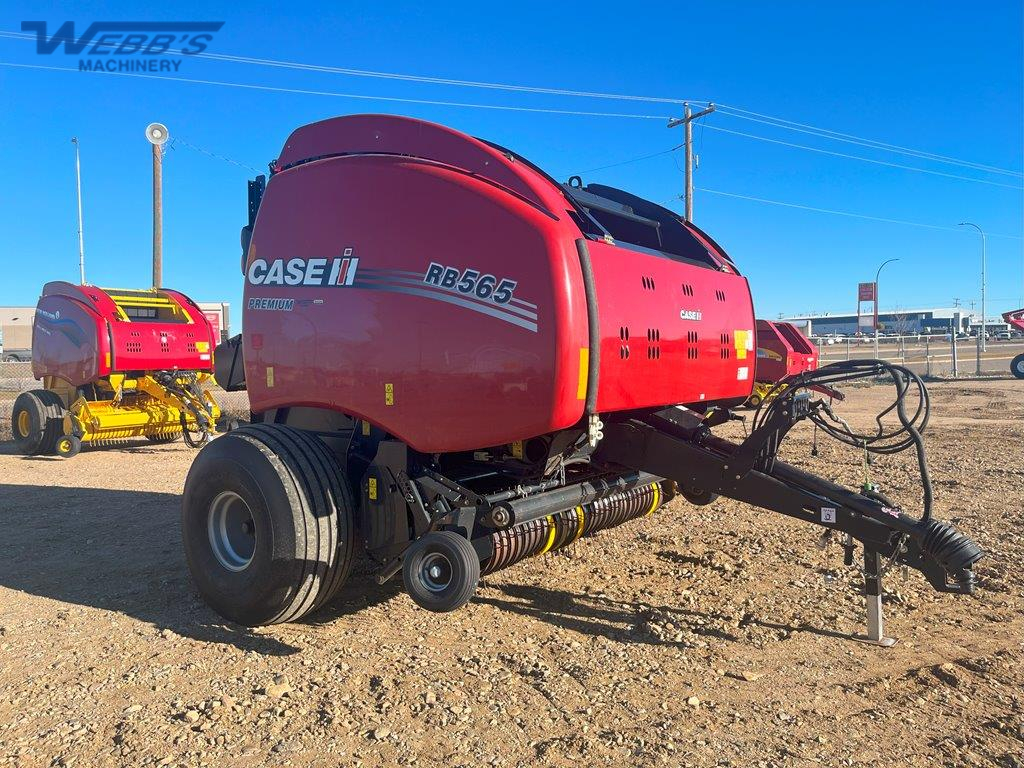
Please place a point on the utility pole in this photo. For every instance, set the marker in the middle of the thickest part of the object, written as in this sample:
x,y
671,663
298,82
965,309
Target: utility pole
x,y
687,122
156,134
78,185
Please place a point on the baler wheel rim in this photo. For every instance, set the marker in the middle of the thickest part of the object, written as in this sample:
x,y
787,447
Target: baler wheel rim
x,y
458,571
232,534
1017,367
24,423
67,446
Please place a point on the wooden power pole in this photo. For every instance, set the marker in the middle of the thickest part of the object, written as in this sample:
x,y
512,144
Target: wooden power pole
x,y
687,122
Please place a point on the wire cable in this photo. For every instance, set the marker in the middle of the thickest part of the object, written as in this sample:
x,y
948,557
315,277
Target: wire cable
x,y
792,125
849,214
365,97
862,159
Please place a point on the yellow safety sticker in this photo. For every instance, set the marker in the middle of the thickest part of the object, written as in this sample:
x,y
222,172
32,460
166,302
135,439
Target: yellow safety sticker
x,y
366,428
202,346
106,358
517,449
740,340
581,386
270,376
371,489
389,394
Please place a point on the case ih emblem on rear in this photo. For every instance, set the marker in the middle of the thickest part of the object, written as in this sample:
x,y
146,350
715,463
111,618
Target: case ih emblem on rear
x,y
339,271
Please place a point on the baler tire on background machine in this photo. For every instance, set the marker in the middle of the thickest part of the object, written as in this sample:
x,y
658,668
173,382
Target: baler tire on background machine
x,y
67,446
267,524
441,571
1017,366
37,420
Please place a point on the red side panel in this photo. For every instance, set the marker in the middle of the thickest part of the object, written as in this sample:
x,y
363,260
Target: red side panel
x,y
80,335
373,288
671,332
388,134
69,340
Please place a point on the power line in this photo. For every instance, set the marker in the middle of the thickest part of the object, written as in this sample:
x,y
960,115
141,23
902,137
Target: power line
x,y
395,75
737,112
858,157
175,140
745,114
632,160
849,214
306,92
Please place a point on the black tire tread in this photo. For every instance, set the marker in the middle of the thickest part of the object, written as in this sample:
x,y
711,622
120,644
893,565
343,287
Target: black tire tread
x,y
471,561
1017,366
324,504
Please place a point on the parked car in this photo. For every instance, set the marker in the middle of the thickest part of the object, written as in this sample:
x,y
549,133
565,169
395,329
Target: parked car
x,y
15,355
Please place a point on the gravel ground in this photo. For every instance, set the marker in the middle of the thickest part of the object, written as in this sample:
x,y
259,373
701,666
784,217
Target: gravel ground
x,y
698,636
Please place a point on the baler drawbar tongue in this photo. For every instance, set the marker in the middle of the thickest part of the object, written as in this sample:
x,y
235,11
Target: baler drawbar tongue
x,y
677,444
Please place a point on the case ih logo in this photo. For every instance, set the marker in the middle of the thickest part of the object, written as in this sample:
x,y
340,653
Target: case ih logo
x,y
322,272
120,41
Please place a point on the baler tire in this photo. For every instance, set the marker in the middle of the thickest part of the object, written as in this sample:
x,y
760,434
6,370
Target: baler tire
x,y
300,521
699,497
460,571
1017,366
37,420
163,438
67,446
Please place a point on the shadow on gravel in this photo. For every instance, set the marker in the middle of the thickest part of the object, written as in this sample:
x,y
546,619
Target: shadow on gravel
x,y
601,616
115,550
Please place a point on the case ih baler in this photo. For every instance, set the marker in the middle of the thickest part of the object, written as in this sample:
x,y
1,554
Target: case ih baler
x,y
457,363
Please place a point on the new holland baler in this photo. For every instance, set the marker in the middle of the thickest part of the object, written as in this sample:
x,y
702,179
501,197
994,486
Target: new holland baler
x,y
116,364
455,362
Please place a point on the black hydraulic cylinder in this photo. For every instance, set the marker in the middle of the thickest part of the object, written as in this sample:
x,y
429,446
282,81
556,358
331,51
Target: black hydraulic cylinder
x,y
514,511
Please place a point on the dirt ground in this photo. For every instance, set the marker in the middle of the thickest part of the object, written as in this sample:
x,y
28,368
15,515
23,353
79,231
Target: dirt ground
x,y
697,636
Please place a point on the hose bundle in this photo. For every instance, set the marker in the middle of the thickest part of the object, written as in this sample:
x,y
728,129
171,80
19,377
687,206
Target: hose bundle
x,y
884,439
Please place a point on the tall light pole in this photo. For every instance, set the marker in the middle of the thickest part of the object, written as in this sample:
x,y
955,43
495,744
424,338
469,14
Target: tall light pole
x,y
877,273
157,135
78,185
982,342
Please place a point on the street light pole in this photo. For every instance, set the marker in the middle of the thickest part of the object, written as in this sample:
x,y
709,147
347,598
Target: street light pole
x,y
983,331
78,185
879,272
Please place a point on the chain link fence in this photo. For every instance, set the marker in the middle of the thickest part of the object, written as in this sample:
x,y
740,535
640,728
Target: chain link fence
x,y
927,356
16,378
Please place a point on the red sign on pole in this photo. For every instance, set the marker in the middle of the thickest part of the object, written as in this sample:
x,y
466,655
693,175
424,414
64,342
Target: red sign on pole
x,y
214,318
866,291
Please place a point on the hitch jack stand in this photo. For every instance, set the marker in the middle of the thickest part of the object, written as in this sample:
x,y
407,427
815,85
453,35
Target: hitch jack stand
x,y
873,597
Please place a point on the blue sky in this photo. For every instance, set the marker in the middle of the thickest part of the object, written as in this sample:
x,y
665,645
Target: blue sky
x,y
930,76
